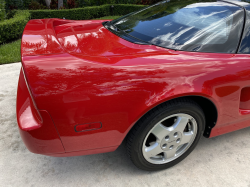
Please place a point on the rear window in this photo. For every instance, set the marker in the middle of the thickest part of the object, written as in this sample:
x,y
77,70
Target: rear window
x,y
205,27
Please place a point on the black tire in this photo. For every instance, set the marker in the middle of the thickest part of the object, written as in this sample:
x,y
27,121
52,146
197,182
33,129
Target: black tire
x,y
136,136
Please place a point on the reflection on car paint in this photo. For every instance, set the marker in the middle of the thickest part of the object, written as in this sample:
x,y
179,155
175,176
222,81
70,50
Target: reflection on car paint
x,y
91,79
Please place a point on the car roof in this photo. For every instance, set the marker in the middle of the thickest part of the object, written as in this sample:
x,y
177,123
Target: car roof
x,y
241,3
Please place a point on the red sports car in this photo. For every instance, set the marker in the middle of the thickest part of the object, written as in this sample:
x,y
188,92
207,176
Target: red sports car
x,y
159,79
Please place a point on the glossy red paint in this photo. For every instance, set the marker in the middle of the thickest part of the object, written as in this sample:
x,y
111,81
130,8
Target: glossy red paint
x,y
88,127
38,136
27,116
84,78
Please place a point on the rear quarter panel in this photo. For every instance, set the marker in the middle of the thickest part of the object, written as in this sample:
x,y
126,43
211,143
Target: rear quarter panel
x,y
117,91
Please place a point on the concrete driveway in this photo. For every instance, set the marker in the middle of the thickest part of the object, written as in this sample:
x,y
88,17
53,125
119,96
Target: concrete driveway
x,y
220,161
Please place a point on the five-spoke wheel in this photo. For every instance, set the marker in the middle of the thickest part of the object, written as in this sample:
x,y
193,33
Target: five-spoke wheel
x,y
166,135
169,138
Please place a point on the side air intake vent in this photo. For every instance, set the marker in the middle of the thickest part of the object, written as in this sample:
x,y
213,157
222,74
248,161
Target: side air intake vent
x,y
245,99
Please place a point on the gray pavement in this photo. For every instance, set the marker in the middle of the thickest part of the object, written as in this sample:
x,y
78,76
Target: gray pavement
x,y
220,161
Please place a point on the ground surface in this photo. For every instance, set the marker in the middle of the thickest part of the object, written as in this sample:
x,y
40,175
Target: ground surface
x,y
220,161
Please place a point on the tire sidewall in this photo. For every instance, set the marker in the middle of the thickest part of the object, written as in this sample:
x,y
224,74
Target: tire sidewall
x,y
152,120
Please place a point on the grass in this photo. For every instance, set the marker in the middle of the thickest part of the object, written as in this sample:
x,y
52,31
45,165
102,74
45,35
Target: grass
x,y
10,52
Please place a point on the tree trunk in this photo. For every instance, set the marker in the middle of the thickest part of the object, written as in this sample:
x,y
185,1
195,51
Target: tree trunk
x,y
60,4
47,3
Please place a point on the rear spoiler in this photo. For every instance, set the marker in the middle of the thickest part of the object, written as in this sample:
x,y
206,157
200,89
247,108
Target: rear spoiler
x,y
39,37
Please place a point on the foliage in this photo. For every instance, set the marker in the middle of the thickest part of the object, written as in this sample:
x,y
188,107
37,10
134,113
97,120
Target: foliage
x,y
10,52
148,2
85,13
12,29
10,14
21,4
107,17
13,4
71,3
53,4
34,5
2,10
27,3
101,2
75,14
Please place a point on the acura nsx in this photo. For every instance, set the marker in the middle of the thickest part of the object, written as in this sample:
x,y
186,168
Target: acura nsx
x,y
158,79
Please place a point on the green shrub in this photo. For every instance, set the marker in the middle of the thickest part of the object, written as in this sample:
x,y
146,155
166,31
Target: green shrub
x,y
75,13
123,9
84,3
10,14
13,4
34,5
20,4
107,17
85,13
12,29
2,10
26,3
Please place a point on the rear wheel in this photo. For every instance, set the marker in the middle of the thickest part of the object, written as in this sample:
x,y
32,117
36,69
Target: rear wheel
x,y
166,135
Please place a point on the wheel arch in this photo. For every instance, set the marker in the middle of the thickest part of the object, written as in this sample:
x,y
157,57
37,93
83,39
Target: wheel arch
x,y
209,108
210,111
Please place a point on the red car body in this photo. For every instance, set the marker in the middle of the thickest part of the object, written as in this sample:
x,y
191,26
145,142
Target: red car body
x,y
80,93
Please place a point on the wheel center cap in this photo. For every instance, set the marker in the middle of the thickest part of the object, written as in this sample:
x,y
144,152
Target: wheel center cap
x,y
170,141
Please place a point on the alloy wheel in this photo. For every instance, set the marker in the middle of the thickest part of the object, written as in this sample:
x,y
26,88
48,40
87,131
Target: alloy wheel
x,y
169,138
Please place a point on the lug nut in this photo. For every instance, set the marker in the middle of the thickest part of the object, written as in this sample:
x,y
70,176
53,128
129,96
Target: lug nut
x,y
167,138
178,140
164,146
175,134
171,147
